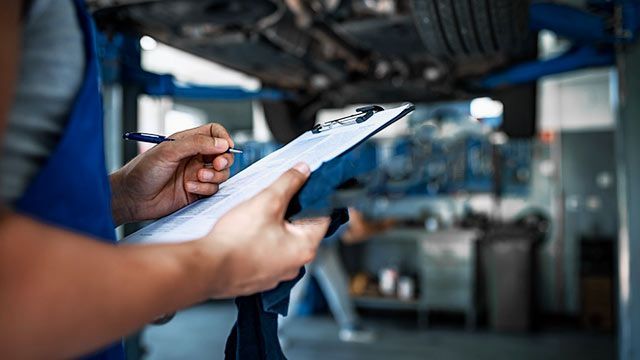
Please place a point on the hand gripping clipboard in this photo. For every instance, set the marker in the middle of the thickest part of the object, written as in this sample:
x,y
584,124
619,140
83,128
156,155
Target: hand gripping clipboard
x,y
317,147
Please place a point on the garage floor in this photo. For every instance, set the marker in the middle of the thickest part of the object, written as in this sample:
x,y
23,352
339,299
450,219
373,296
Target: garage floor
x,y
200,332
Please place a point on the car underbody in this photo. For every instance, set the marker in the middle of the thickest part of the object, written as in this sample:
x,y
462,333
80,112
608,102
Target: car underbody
x,y
350,51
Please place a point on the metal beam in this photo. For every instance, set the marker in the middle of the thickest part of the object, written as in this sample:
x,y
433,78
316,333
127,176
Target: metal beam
x,y
628,163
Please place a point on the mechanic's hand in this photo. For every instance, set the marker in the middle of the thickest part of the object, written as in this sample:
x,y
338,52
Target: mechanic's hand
x,y
172,174
260,247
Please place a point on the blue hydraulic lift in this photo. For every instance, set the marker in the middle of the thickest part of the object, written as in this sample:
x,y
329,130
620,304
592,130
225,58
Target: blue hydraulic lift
x,y
594,37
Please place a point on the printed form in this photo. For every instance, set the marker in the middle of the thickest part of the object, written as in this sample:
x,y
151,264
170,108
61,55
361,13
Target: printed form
x,y
197,219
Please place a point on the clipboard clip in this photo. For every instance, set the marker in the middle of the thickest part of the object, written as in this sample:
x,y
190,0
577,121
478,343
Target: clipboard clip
x,y
362,114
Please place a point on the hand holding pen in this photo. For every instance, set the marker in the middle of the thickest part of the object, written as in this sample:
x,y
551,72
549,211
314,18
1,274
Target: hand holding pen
x,y
157,139
183,168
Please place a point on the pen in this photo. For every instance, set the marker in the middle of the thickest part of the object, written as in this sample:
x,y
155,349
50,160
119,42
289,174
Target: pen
x,y
157,139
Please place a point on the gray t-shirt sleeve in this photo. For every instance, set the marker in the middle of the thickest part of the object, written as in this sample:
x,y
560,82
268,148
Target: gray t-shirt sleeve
x,y
51,74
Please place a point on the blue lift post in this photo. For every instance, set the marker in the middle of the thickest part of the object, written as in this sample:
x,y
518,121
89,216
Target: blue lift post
x,y
121,63
628,164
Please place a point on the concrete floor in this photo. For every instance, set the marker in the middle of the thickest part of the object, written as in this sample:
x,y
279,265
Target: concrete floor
x,y
200,333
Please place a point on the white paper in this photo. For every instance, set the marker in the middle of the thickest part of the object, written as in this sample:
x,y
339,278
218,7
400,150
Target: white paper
x,y
197,219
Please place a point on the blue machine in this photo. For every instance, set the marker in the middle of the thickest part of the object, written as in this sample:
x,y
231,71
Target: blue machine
x,y
466,166
252,152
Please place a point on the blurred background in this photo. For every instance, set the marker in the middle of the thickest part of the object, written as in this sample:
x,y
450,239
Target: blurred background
x,y
496,221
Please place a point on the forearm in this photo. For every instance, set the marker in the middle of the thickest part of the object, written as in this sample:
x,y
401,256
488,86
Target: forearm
x,y
70,295
10,48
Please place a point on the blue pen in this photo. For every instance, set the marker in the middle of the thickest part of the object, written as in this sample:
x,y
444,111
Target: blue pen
x,y
157,139
145,137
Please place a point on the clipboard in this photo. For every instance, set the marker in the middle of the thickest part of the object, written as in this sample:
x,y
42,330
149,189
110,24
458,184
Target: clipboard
x,y
362,114
320,145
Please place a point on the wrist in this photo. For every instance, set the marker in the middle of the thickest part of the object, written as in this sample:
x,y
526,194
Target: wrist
x,y
121,211
206,266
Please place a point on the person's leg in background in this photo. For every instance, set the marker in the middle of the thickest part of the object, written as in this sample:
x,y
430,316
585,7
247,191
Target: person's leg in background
x,y
333,281
295,299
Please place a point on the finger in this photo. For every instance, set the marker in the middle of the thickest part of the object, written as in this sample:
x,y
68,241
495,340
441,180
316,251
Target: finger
x,y
199,188
222,162
212,130
282,190
192,169
212,176
192,145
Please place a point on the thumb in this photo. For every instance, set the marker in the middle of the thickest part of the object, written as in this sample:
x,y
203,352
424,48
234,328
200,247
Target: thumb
x,y
286,186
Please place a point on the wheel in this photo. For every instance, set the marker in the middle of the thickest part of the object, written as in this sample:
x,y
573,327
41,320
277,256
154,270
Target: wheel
x,y
288,119
519,117
458,28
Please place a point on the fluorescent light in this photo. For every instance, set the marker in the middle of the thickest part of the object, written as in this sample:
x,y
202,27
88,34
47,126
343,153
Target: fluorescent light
x,y
148,43
482,108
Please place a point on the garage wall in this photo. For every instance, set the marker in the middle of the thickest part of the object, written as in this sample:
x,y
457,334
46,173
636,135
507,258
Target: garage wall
x,y
577,107
577,101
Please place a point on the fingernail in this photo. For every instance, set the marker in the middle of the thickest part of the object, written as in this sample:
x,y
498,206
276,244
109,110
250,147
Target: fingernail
x,y
220,144
223,163
207,175
192,187
303,168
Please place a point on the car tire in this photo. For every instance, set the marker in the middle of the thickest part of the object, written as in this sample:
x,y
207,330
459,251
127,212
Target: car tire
x,y
288,119
459,28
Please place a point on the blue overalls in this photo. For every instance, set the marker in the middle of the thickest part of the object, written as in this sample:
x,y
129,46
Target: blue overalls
x,y
72,190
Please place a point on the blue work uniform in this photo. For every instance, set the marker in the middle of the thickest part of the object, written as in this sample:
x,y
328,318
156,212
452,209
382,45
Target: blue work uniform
x,y
72,190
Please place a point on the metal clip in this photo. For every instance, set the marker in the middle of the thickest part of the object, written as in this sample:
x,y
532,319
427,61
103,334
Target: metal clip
x,y
362,114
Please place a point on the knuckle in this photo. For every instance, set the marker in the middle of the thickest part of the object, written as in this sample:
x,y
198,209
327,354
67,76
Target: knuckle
x,y
273,200
217,129
203,142
308,255
179,134
272,207
290,275
276,203
296,177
